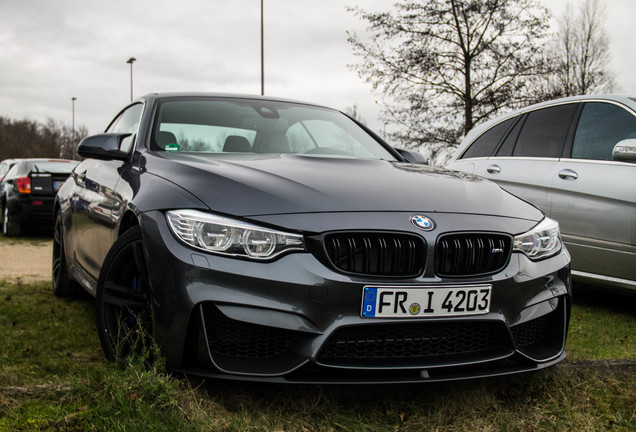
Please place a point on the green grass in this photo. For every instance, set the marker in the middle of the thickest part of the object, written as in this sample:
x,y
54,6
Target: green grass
x,y
45,339
53,377
602,326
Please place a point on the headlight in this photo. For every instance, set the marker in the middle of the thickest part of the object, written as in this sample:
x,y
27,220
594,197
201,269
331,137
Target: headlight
x,y
227,236
542,241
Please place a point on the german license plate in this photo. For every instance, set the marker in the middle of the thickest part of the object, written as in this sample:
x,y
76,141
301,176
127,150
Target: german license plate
x,y
425,301
56,185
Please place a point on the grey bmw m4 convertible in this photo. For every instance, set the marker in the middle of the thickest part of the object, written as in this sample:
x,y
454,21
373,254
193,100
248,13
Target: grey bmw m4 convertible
x,y
264,239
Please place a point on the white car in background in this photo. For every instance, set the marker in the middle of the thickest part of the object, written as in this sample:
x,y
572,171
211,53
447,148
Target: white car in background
x,y
575,159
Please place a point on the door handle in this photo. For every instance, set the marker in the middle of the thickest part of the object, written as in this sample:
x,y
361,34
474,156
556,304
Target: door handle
x,y
494,169
568,174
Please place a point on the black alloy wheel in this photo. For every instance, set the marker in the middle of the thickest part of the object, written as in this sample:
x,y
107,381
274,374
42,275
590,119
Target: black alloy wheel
x,y
124,313
63,286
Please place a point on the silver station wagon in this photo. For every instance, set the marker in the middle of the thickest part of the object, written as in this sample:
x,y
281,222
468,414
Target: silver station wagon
x,y
575,159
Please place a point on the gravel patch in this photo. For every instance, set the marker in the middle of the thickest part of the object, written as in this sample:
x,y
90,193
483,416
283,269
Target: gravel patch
x,y
26,263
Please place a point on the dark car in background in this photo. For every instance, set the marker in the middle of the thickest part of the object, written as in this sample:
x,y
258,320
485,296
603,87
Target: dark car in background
x,y
28,192
575,159
264,239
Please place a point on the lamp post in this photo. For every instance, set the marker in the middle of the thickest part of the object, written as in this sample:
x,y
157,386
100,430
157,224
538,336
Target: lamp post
x,y
262,54
131,61
73,99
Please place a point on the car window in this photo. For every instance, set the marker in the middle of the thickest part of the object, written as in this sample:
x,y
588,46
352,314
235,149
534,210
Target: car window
x,y
188,137
544,132
254,126
12,171
127,122
508,145
309,135
57,167
486,144
601,126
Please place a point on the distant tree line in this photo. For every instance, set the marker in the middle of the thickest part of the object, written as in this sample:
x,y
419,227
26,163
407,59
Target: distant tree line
x,y
30,139
443,66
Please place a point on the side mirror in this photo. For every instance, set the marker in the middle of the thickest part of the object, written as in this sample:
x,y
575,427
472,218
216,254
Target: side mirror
x,y
412,156
103,146
625,151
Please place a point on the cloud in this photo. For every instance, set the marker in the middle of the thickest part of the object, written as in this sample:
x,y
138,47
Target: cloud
x,y
52,51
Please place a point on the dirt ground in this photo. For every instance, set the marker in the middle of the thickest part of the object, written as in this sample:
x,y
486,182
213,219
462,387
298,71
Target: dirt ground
x,y
25,262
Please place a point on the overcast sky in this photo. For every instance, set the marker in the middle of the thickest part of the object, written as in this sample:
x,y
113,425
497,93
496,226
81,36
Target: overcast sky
x,y
53,50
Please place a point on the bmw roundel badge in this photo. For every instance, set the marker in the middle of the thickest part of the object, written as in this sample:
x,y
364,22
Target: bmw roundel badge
x,y
422,222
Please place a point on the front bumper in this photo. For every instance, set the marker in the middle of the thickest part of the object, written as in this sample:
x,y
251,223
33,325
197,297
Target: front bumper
x,y
297,320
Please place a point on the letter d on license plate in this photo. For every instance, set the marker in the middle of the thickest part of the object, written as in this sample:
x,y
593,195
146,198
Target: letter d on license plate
x,y
425,301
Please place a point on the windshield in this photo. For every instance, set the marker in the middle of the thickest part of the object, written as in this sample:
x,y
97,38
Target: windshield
x,y
255,126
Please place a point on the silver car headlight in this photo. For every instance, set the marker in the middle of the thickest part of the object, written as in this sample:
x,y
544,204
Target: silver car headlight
x,y
226,236
542,241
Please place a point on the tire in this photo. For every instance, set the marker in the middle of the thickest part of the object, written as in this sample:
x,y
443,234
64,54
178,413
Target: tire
x,y
10,228
63,286
124,314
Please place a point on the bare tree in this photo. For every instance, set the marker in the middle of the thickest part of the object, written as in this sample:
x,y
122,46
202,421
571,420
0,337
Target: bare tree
x,y
581,52
20,138
445,65
352,112
63,136
26,138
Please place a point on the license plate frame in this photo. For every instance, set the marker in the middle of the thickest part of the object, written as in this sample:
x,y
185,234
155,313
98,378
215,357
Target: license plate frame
x,y
425,301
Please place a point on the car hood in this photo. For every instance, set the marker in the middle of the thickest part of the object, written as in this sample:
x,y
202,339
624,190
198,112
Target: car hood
x,y
252,185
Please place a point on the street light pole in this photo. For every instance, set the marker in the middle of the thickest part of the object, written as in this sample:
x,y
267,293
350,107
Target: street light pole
x,y
131,61
73,99
262,54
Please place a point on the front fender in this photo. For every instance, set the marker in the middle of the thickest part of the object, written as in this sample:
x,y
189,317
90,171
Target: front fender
x,y
157,193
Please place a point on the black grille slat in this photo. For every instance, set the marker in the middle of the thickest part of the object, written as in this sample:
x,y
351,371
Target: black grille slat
x,y
471,254
376,254
369,345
